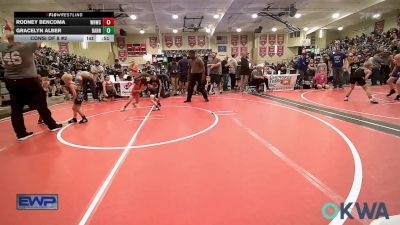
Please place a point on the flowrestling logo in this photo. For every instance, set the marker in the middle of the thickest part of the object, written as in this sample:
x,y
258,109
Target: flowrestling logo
x,y
377,210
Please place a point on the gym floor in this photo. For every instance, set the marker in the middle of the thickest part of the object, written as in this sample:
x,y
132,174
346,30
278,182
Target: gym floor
x,y
239,159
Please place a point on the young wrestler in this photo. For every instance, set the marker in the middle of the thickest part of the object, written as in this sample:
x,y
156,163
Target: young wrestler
x,y
154,87
137,86
321,78
77,97
108,88
394,78
359,77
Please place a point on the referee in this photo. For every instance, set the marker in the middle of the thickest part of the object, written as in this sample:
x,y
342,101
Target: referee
x,y
196,75
23,85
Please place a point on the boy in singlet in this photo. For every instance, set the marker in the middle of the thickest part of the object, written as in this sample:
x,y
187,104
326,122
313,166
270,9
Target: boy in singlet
x,y
77,97
359,77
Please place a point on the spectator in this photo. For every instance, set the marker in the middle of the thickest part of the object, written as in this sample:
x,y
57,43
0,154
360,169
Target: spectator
x,y
174,75
232,64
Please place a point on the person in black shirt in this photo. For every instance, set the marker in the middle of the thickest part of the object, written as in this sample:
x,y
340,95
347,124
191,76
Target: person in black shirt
x,y
154,87
359,77
244,71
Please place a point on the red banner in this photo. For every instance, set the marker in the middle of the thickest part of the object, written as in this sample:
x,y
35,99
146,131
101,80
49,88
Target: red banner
x,y
192,41
234,51
263,40
271,51
122,55
153,42
243,51
234,39
121,42
178,41
243,40
280,39
201,40
263,51
272,39
168,41
63,47
280,51
379,25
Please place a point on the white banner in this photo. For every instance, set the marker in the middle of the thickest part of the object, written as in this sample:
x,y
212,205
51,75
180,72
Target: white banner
x,y
282,82
123,88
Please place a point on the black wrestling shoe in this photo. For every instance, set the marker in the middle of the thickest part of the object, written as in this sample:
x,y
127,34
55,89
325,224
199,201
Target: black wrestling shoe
x,y
40,122
397,97
73,120
25,136
392,91
83,120
187,101
56,128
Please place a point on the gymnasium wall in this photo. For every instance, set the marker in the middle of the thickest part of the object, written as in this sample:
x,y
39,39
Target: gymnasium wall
x,y
368,26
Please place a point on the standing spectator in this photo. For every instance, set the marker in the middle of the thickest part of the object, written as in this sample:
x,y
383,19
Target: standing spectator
x,y
117,69
385,67
225,73
311,69
301,68
183,67
23,84
232,71
215,66
376,69
173,74
197,75
97,70
336,64
244,71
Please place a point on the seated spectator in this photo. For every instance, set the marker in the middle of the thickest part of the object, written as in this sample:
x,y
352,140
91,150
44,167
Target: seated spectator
x,y
321,79
258,78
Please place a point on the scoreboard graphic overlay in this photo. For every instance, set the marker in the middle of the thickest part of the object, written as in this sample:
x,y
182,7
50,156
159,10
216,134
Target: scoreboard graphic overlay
x,y
64,26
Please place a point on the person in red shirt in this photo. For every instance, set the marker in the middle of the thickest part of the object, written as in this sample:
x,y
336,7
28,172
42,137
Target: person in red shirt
x,y
321,79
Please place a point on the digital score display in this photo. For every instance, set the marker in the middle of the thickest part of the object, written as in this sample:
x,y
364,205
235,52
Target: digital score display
x,y
64,26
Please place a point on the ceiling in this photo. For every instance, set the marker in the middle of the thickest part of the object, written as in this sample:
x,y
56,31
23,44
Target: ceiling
x,y
155,16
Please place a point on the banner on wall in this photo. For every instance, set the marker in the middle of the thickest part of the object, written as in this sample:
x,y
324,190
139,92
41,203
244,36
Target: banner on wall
x,y
168,41
178,41
243,50
63,47
234,51
280,39
280,50
272,39
234,39
201,40
222,48
271,51
263,51
122,55
192,41
153,42
243,40
121,42
379,26
263,40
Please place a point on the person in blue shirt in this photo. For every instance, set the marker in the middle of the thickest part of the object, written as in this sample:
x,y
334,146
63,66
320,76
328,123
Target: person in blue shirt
x,y
301,68
336,64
